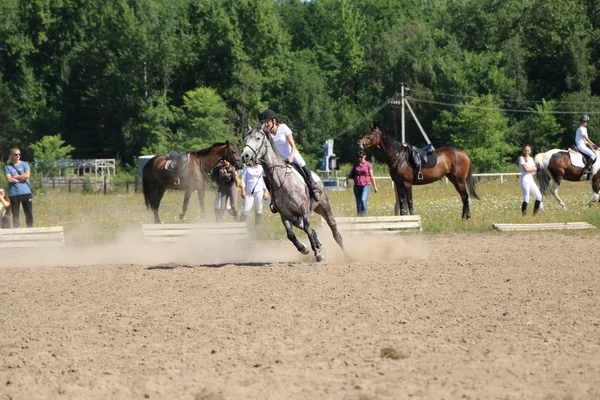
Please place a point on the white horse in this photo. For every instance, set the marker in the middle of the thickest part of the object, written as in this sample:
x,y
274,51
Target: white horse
x,y
289,192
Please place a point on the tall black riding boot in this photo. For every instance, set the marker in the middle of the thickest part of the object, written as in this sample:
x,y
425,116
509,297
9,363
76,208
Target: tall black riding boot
x,y
312,186
243,217
524,208
536,207
589,164
257,219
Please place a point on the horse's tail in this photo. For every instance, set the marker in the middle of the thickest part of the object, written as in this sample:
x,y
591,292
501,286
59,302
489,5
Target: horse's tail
x,y
541,175
471,183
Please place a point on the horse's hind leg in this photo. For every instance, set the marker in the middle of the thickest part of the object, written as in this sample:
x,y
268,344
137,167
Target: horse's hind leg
x,y
326,213
290,235
554,191
160,192
186,202
461,188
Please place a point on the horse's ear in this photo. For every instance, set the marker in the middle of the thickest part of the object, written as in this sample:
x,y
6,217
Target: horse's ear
x,y
249,127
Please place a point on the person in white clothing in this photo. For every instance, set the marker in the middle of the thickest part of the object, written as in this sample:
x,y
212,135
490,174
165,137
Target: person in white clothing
x,y
584,144
528,185
253,192
284,140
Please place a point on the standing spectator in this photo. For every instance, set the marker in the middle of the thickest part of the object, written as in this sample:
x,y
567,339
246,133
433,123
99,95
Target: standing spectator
x,y
253,192
4,209
362,173
528,168
227,189
17,174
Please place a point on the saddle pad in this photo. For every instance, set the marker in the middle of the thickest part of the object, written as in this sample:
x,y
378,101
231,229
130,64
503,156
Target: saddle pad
x,y
576,159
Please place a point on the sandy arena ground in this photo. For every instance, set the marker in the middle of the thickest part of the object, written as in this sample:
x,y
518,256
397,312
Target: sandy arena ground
x,y
491,316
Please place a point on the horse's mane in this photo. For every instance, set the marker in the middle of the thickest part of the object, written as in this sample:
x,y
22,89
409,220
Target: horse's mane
x,y
207,150
401,149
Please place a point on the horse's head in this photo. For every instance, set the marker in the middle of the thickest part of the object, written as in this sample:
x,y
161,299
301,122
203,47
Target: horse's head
x,y
371,139
232,155
254,145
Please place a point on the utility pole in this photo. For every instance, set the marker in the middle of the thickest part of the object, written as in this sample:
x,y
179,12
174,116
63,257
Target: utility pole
x,y
403,100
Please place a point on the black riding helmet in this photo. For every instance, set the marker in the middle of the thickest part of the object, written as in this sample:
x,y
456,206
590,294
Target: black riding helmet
x,y
584,117
267,115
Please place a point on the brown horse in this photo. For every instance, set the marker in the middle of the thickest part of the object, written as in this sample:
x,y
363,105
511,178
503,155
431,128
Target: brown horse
x,y
451,162
555,165
156,179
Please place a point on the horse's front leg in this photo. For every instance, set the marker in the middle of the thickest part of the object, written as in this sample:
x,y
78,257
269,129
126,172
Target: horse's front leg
x,y
401,196
186,202
314,241
409,199
292,237
596,190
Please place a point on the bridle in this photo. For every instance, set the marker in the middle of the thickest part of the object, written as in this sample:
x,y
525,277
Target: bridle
x,y
255,153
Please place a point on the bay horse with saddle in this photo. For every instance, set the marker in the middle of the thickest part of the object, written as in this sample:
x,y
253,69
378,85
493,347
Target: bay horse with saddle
x,y
188,172
290,195
410,166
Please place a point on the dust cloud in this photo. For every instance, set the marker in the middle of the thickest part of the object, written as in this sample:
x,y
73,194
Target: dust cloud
x,y
201,248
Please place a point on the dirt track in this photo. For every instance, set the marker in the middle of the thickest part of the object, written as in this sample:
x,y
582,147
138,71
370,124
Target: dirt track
x,y
464,316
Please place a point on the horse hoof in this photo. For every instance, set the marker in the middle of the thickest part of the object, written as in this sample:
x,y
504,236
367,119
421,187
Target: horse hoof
x,y
304,250
181,217
320,256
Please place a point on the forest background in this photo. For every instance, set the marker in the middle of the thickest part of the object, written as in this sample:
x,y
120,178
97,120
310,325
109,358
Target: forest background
x,y
124,78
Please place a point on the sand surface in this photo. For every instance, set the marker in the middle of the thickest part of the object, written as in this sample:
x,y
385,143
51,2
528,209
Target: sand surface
x,y
490,316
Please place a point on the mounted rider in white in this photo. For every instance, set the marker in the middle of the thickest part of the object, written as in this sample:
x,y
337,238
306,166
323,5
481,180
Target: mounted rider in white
x,y
284,140
584,143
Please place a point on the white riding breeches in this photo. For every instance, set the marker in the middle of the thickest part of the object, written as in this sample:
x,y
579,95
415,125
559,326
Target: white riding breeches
x,y
587,151
255,199
528,185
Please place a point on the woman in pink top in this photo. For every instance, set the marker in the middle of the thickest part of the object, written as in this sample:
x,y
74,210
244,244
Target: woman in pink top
x,y
362,173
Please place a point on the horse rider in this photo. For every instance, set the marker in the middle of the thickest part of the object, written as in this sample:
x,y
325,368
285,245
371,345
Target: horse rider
x,y
284,140
584,143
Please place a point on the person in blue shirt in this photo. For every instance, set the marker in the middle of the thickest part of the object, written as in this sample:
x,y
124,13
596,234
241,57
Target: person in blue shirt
x,y
17,174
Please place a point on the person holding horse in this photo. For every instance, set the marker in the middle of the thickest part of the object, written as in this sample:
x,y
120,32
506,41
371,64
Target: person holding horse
x,y
227,189
584,144
253,192
528,169
284,140
362,174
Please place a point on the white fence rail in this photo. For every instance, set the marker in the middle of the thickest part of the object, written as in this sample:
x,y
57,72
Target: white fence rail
x,y
337,183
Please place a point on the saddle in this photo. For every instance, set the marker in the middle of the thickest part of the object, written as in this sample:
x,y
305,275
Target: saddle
x,y
578,159
421,157
177,162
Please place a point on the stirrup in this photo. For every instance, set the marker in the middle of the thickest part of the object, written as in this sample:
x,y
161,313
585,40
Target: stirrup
x,y
273,209
419,175
177,182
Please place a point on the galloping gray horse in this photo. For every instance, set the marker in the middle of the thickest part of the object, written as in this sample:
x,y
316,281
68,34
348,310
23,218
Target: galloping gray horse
x,y
289,193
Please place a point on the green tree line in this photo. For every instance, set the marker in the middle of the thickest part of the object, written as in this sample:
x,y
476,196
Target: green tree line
x,y
122,78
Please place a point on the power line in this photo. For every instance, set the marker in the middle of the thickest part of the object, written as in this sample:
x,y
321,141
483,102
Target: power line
x,y
395,101
594,103
440,103
363,119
